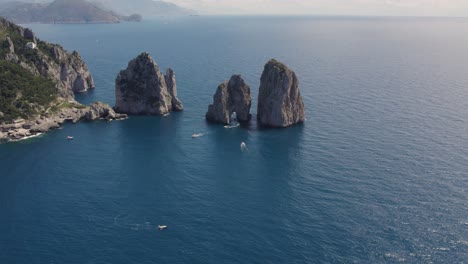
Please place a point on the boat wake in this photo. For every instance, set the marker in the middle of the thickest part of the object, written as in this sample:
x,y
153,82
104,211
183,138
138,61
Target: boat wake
x,y
198,135
125,221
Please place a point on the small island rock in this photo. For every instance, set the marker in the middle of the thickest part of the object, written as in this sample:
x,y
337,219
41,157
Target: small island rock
x,y
231,96
279,101
142,89
99,110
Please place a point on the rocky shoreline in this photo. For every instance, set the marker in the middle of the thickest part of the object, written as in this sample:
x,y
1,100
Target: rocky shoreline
x,y
140,89
73,112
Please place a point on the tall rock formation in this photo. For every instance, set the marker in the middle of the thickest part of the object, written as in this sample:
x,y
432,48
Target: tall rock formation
x,y
172,89
231,96
279,101
142,89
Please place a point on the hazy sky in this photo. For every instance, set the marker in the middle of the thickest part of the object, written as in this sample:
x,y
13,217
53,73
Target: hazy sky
x,y
331,7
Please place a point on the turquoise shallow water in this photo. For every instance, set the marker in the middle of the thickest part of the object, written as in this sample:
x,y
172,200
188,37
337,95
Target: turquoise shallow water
x,y
377,174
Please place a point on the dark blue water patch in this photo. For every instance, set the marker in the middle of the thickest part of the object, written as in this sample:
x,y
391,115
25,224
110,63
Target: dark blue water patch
x,y
377,174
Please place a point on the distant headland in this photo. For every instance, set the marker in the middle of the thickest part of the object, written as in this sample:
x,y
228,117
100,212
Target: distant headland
x,y
86,11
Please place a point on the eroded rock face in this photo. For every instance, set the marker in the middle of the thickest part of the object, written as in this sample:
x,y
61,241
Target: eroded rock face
x,y
74,75
279,101
172,89
142,89
99,110
11,46
29,34
50,61
231,96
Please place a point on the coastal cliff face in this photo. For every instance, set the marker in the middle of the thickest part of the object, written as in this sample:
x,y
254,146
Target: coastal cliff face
x,y
142,89
231,96
37,85
50,61
279,101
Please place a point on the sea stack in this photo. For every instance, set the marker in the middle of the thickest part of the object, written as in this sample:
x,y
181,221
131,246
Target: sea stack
x,y
142,89
231,96
279,101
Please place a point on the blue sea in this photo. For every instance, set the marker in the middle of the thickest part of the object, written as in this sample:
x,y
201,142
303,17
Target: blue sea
x,y
377,174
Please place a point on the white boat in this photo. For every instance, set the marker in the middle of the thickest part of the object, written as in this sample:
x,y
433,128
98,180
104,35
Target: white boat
x,y
162,227
197,135
232,126
70,138
233,122
243,146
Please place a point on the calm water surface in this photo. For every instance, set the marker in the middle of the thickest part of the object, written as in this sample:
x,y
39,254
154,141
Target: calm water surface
x,y
377,174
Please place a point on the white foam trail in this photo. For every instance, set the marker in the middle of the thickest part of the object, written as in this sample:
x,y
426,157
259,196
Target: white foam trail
x,y
198,135
24,138
243,147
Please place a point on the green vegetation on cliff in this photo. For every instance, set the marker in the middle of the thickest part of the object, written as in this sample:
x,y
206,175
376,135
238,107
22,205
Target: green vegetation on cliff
x,y
19,43
23,95
35,75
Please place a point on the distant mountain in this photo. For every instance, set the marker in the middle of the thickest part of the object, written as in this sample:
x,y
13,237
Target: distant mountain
x,y
22,12
76,11
146,8
59,11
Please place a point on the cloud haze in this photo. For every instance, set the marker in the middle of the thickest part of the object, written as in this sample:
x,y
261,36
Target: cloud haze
x,y
330,7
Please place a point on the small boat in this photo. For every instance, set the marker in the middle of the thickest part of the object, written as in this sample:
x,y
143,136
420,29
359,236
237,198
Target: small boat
x,y
70,138
243,146
197,135
162,227
234,125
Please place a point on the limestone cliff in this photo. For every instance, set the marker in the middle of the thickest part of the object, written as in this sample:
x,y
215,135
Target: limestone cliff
x,y
279,101
142,89
37,85
50,61
231,96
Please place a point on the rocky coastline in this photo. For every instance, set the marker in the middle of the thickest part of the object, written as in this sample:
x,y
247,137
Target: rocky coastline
x,y
140,89
42,65
71,112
